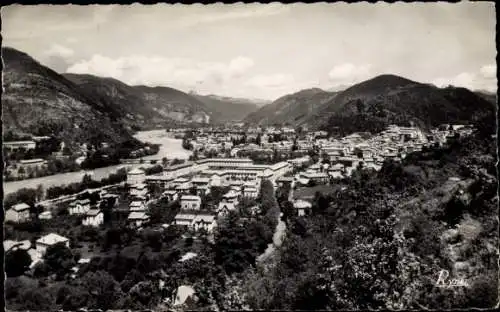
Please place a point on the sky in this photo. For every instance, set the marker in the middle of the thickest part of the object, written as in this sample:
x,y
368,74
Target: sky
x,y
261,50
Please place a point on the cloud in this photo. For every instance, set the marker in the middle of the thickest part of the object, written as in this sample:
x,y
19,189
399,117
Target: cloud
x,y
270,81
349,73
483,79
183,73
241,12
59,50
58,57
489,71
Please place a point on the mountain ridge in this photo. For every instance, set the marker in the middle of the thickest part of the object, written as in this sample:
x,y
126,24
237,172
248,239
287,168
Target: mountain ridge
x,y
375,103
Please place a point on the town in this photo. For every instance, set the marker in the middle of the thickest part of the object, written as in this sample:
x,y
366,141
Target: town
x,y
227,172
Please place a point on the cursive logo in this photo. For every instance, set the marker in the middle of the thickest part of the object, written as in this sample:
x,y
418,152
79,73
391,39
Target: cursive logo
x,y
445,282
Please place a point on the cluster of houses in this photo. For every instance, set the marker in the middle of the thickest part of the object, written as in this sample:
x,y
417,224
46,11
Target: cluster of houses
x,y
191,181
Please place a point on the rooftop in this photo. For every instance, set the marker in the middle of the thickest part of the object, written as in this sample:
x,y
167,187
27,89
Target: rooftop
x,y
51,239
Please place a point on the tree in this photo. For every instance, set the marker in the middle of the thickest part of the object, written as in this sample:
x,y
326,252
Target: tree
x,y
16,262
59,259
104,292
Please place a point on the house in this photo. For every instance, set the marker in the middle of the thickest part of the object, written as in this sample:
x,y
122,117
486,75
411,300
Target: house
x,y
138,218
171,195
183,295
18,213
46,215
50,240
94,217
15,145
230,197
136,176
302,207
282,181
250,192
224,208
184,219
79,207
138,190
188,255
317,177
336,171
184,188
190,202
137,206
204,221
32,163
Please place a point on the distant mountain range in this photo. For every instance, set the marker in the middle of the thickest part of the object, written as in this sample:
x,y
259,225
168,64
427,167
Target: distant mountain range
x,y
36,100
227,109
373,104
39,101
83,108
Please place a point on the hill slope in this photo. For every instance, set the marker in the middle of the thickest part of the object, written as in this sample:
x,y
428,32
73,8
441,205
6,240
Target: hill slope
x,y
174,104
291,109
389,99
39,101
373,104
227,108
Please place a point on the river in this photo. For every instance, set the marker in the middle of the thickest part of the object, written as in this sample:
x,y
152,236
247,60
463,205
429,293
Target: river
x,y
169,147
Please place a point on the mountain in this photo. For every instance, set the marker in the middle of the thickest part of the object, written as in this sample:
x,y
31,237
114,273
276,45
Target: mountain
x,y
174,104
227,109
39,101
291,109
489,96
373,104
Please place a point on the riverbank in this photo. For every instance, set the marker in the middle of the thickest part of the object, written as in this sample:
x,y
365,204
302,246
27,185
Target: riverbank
x,y
169,147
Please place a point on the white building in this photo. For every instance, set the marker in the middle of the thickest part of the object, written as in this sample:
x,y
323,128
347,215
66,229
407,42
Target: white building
x,y
204,221
136,176
183,219
138,218
224,208
79,207
50,240
171,195
302,207
46,215
190,202
137,206
18,213
139,190
94,217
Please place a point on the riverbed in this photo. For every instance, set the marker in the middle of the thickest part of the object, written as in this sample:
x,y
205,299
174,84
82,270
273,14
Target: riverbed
x,y
169,147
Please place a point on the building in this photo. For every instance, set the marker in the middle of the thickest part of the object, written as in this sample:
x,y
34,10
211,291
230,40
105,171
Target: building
x,y
137,206
50,240
15,145
32,163
46,215
250,190
190,202
224,208
136,176
94,217
139,190
184,188
302,207
316,177
79,207
230,197
18,213
336,171
182,219
171,195
138,218
204,221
